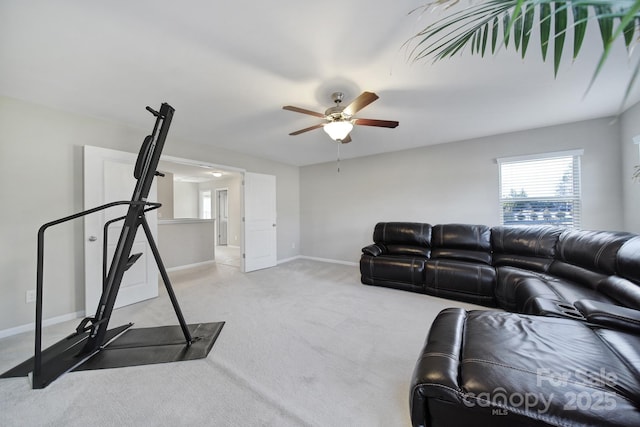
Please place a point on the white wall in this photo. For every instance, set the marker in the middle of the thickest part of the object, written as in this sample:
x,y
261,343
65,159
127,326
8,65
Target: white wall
x,y
185,200
41,180
454,182
186,242
630,127
165,195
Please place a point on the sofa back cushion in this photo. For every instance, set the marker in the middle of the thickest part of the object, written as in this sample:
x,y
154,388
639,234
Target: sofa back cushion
x,y
463,242
528,247
593,250
589,258
624,287
404,238
628,260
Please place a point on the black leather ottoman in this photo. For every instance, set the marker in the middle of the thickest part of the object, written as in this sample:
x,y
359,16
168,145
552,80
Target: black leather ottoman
x,y
481,368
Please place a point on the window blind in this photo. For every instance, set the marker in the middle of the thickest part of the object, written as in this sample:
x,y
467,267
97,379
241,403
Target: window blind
x,y
543,189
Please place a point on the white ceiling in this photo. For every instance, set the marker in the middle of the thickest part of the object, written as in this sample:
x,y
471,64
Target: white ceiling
x,y
189,172
228,67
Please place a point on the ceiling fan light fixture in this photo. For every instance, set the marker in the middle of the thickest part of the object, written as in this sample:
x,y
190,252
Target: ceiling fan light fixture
x,y
338,129
339,121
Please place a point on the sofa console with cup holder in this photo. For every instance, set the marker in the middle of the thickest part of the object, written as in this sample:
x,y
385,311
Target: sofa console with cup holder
x,y
566,348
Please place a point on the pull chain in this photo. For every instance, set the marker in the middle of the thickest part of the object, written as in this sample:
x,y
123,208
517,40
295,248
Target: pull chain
x,y
338,161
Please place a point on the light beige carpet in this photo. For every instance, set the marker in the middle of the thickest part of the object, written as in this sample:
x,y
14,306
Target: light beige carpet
x,y
228,255
305,344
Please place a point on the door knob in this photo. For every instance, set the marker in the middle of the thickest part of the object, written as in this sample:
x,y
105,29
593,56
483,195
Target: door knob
x,y
92,238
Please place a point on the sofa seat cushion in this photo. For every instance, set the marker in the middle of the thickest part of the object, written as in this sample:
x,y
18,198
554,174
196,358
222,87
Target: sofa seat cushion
x,y
505,369
465,281
399,272
516,290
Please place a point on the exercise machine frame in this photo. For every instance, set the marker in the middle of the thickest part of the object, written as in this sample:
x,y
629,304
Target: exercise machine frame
x,y
91,336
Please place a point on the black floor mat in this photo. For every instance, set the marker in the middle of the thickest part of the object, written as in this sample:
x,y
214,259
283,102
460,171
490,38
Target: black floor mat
x,y
162,344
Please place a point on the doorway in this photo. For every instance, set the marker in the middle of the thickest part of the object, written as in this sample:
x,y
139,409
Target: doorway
x,y
244,193
248,207
227,253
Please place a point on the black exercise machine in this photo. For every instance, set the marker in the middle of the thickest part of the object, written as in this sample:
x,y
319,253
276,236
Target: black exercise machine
x,y
92,345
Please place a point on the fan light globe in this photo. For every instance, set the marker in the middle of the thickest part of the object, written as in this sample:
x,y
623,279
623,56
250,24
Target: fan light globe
x,y
338,129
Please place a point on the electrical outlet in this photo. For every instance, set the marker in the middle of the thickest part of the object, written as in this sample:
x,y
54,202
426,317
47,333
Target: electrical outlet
x,y
293,246
30,296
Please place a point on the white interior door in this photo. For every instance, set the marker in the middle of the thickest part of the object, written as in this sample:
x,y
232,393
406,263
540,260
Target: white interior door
x,y
260,231
108,177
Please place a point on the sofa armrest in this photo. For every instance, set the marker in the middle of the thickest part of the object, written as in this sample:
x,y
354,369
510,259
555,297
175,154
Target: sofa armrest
x,y
373,250
437,370
609,315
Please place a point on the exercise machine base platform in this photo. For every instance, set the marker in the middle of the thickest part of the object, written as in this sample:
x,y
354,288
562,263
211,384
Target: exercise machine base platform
x,y
161,344
61,357
126,347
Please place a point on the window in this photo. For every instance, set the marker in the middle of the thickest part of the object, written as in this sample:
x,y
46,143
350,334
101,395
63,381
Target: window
x,y
541,189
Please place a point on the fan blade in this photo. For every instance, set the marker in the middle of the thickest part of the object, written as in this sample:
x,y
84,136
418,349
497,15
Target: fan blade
x,y
347,139
298,132
359,103
373,122
303,111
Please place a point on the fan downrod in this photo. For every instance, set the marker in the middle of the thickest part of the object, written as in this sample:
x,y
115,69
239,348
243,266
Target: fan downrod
x,y
337,97
335,112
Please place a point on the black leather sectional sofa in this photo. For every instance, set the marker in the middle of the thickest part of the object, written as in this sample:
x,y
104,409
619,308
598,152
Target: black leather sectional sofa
x,y
566,348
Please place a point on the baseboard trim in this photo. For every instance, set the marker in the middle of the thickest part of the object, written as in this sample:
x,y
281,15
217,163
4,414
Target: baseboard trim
x,y
47,322
332,261
293,258
187,266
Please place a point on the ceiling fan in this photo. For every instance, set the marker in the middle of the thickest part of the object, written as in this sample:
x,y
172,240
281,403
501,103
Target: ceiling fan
x,y
339,121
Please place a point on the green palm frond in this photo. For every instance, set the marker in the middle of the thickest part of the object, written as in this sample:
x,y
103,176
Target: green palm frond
x,y
477,26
